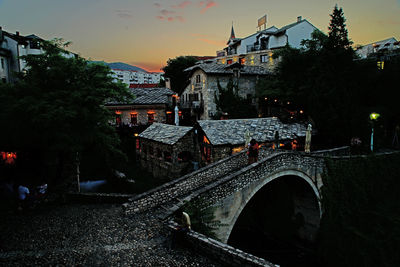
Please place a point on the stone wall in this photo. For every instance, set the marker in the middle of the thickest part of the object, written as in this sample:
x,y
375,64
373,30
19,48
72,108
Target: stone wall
x,y
142,113
221,252
152,156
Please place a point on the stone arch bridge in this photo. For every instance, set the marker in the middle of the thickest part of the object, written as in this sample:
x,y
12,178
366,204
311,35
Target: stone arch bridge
x,y
231,183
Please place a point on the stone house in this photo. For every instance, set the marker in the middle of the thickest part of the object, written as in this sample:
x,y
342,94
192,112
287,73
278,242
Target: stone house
x,y
167,150
199,96
150,105
221,138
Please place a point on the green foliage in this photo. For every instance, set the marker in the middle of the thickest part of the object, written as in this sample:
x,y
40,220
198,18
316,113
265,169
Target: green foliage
x,y
361,221
336,91
175,72
56,108
337,37
202,217
230,102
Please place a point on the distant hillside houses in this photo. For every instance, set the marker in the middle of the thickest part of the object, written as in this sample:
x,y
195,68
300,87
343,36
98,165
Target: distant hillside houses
x,y
131,77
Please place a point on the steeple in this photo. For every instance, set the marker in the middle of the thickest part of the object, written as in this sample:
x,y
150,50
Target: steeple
x,y
232,33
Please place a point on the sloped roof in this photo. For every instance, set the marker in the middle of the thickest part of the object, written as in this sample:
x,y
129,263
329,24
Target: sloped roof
x,y
146,96
223,132
165,133
215,68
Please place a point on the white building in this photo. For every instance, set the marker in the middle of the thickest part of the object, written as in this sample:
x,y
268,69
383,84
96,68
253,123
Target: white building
x,y
12,47
257,48
386,45
129,77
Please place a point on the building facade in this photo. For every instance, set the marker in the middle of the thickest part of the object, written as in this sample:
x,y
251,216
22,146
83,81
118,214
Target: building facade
x,y
167,150
149,106
380,47
130,77
257,49
12,47
199,95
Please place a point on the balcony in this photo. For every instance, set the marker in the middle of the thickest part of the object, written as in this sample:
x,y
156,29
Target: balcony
x,y
254,48
196,105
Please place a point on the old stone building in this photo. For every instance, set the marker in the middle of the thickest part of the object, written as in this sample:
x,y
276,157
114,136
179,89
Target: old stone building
x,y
221,138
168,150
150,105
199,95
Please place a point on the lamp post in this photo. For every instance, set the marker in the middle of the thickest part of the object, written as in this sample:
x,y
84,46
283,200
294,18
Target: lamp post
x,y
373,117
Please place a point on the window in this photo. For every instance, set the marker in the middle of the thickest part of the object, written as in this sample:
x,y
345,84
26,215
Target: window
x,y
118,119
229,61
150,118
198,79
137,144
170,118
2,63
167,156
193,97
134,118
264,58
380,65
242,61
34,44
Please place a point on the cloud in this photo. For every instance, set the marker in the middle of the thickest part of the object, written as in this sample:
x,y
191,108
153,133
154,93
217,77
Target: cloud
x,y
183,4
207,5
165,12
206,39
125,14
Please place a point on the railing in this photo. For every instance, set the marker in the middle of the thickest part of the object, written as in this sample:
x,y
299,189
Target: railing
x,y
192,104
253,48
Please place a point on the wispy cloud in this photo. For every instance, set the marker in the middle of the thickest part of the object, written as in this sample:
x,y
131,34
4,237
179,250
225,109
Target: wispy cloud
x,y
205,5
176,12
182,5
122,13
208,40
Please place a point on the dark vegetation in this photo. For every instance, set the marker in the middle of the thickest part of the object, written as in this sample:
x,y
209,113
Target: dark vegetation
x,y
175,72
361,222
336,91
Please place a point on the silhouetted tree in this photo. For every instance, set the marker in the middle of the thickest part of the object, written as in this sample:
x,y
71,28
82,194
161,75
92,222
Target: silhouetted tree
x,y
175,72
337,35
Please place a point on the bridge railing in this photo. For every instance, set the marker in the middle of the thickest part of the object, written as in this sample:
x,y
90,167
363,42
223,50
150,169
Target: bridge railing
x,y
186,184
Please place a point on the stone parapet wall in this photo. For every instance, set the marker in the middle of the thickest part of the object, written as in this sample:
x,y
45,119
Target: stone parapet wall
x,y
186,184
224,253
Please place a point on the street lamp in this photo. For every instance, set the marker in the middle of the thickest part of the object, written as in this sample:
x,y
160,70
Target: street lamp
x,y
373,117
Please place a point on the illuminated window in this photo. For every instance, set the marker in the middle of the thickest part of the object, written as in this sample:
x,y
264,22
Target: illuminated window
x,y
170,118
150,117
242,61
381,65
198,78
118,118
229,61
264,58
134,118
137,144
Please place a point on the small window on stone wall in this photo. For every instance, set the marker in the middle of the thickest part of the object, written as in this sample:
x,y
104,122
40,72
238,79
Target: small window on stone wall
x,y
167,156
184,156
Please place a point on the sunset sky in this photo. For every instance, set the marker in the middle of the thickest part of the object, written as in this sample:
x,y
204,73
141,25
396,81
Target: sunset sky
x,y
146,33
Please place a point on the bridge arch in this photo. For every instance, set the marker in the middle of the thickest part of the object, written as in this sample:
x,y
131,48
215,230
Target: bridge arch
x,y
242,199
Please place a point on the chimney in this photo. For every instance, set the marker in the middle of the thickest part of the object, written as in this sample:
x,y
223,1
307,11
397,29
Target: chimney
x,y
299,18
168,83
17,33
1,34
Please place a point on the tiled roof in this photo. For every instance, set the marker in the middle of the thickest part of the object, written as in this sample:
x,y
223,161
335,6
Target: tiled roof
x,y
146,96
142,85
222,132
165,133
215,68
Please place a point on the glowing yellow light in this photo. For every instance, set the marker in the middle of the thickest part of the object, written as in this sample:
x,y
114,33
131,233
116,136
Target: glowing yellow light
x,y
374,116
301,111
136,134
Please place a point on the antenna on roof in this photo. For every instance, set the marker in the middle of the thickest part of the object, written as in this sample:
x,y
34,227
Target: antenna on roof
x,y
262,22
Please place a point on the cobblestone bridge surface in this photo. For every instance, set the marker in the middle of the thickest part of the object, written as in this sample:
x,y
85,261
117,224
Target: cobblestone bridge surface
x,y
89,235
